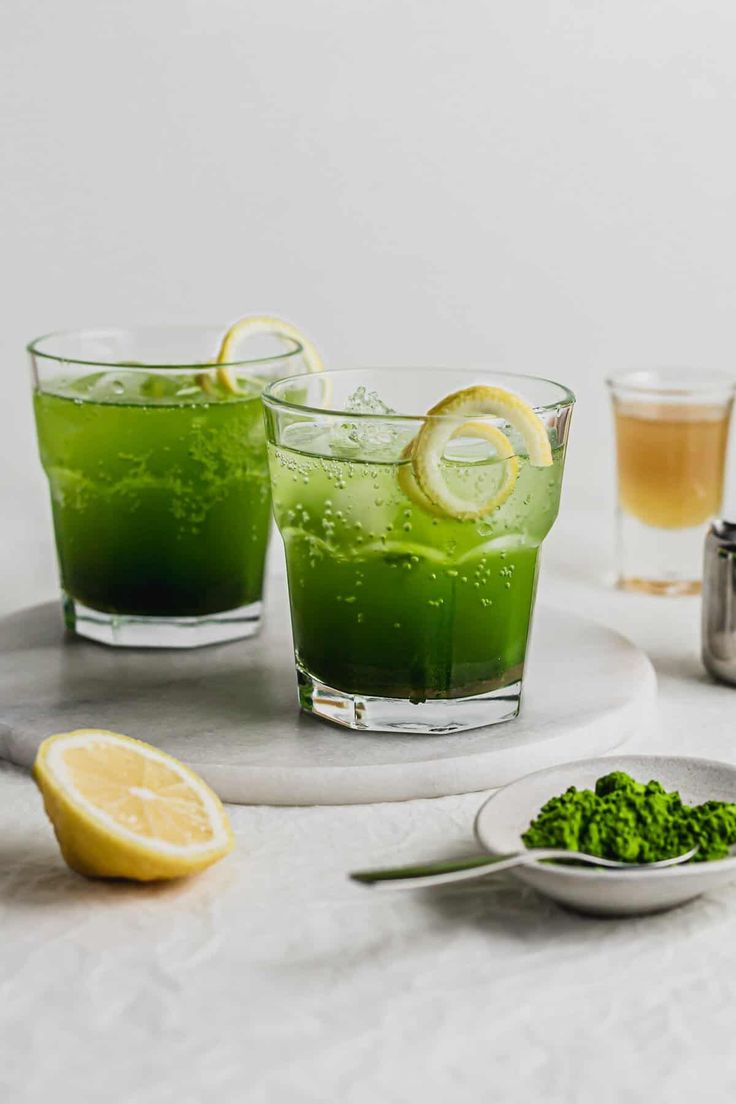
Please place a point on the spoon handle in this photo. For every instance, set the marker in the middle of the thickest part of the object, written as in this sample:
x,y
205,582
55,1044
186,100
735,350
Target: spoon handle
x,y
475,866
447,870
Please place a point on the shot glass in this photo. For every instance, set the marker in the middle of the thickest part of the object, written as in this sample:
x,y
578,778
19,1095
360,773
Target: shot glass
x,y
158,479
405,618
672,429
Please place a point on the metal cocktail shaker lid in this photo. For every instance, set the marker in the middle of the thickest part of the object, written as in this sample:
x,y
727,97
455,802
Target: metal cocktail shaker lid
x,y
719,600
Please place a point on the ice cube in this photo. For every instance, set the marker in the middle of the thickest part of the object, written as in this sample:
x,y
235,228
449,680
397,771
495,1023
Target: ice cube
x,y
113,386
363,401
369,437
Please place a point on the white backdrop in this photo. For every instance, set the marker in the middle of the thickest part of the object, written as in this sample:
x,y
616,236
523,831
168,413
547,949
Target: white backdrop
x,y
412,181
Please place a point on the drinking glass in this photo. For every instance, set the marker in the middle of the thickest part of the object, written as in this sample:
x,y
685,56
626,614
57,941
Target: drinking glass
x,y
158,479
672,430
404,618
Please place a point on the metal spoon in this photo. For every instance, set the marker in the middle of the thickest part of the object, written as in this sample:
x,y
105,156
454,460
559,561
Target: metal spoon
x,y
458,870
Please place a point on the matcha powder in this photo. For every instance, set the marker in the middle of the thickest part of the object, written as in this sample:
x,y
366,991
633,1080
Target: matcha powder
x,y
633,822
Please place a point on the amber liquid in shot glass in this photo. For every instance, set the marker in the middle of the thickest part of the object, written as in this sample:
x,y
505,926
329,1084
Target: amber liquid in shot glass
x,y
671,444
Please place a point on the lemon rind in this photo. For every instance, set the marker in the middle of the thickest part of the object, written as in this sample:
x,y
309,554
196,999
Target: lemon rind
x,y
425,483
469,404
252,326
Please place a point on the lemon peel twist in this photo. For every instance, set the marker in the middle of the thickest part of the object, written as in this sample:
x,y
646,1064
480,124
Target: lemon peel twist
x,y
504,450
253,326
427,449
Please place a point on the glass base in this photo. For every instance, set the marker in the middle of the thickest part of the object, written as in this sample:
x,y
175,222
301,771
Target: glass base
x,y
365,713
129,631
659,561
655,586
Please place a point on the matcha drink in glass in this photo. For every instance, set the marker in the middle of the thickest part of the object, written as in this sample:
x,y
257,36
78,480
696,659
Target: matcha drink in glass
x,y
154,449
413,504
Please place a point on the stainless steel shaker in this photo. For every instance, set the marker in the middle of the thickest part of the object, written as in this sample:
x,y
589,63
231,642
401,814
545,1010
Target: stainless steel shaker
x,y
719,601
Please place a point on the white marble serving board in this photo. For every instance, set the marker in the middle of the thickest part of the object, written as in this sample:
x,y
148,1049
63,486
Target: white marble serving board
x,y
231,711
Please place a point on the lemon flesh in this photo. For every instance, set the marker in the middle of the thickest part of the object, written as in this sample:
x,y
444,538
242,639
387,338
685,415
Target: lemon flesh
x,y
441,426
257,325
121,808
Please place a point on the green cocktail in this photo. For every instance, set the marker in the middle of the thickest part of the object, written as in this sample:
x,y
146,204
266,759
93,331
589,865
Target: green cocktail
x,y
159,509
404,617
160,498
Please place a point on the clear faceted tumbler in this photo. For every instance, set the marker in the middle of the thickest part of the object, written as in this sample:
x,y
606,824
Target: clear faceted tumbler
x,y
410,614
158,479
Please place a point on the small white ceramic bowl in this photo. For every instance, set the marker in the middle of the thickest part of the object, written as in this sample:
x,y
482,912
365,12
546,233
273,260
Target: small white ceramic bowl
x,y
503,818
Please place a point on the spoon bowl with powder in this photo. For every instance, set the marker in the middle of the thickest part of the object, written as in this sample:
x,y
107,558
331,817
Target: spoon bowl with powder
x,y
507,822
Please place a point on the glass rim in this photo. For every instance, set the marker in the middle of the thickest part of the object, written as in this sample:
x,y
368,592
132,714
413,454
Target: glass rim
x,y
269,397
160,366
673,382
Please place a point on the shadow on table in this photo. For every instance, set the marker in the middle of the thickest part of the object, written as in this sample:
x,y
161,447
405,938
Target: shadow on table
x,y
501,905
35,627
34,875
53,677
680,665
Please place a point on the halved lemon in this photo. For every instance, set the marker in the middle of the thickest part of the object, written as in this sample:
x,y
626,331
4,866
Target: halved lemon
x,y
240,332
123,809
441,426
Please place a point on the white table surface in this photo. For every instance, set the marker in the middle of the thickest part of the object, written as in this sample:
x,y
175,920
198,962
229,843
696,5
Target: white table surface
x,y
273,979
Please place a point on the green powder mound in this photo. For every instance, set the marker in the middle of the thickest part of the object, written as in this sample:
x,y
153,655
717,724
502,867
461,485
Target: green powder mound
x,y
633,822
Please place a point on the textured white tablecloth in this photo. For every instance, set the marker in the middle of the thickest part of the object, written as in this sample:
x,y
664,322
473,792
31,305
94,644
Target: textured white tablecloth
x,y
273,979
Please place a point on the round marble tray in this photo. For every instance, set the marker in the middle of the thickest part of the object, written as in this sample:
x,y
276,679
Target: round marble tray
x,y
230,711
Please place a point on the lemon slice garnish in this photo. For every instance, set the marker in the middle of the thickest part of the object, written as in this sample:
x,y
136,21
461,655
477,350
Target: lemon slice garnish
x,y
254,326
408,483
473,402
503,448
123,809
